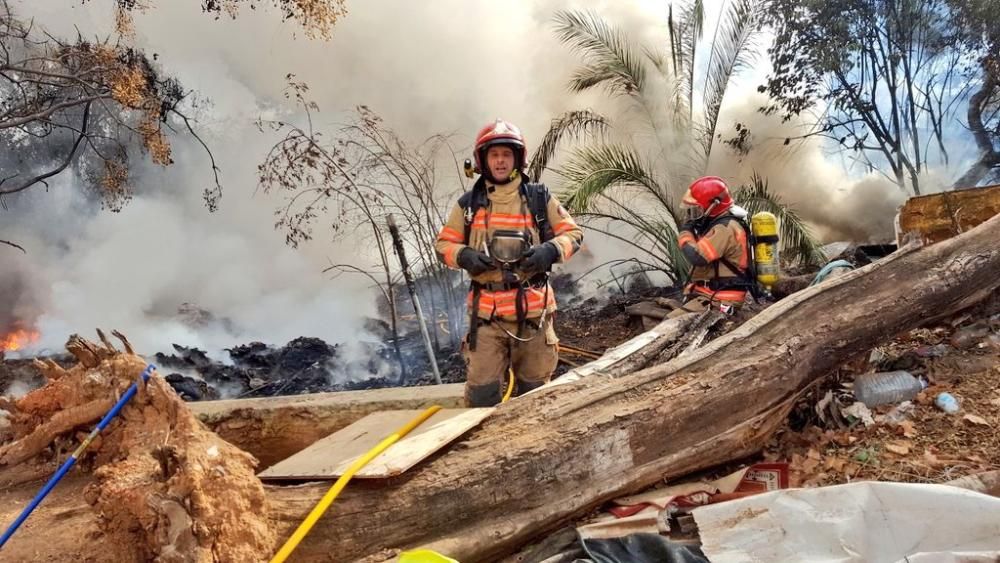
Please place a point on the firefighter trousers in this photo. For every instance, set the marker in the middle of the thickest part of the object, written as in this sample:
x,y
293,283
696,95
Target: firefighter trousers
x,y
487,366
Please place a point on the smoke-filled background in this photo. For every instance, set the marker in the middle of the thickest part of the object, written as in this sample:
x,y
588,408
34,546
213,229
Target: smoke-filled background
x,y
447,66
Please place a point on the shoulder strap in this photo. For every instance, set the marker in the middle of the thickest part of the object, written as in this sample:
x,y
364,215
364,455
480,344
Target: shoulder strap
x,y
471,202
538,201
750,272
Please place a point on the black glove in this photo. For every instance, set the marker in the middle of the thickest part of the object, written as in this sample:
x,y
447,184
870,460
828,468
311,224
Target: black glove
x,y
539,258
474,262
693,226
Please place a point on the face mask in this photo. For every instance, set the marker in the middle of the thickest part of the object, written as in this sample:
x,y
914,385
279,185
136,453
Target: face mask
x,y
508,247
693,213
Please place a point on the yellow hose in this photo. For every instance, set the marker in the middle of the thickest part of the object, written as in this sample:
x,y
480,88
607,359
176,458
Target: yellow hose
x,y
325,502
510,385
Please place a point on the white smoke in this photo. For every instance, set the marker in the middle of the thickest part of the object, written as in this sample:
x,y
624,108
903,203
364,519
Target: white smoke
x,y
16,390
837,205
446,66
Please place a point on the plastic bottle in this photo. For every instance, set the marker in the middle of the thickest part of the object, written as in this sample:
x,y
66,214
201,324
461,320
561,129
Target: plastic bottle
x,y
874,389
947,402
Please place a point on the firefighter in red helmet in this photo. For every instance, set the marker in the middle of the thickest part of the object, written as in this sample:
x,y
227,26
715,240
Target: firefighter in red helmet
x,y
714,241
507,232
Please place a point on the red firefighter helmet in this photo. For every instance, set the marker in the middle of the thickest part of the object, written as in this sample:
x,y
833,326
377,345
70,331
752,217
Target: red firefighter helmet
x,y
499,132
710,193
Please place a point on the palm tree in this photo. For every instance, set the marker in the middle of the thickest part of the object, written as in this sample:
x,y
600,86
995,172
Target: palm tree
x,y
626,188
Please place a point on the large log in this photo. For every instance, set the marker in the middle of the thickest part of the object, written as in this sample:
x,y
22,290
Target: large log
x,y
546,458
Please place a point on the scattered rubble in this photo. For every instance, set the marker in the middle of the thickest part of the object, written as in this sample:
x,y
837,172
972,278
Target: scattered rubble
x,y
908,441
304,365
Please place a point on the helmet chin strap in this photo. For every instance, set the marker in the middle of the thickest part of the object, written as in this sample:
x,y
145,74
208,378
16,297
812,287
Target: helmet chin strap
x,y
510,177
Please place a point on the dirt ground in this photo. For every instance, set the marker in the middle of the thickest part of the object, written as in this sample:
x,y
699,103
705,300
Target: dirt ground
x,y
55,518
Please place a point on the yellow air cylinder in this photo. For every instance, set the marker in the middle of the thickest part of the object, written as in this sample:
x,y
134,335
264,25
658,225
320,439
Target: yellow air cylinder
x,y
764,226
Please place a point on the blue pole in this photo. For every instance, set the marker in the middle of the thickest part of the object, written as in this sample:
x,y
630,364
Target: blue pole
x,y
71,461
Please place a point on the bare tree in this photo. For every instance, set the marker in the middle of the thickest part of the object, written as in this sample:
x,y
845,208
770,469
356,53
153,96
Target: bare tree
x,y
96,107
88,105
884,75
977,30
354,180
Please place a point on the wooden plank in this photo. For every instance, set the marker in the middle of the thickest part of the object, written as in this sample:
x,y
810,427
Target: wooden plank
x,y
330,457
671,328
940,216
274,428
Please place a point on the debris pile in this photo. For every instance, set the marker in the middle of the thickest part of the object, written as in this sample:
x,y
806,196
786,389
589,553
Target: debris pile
x,y
304,365
833,438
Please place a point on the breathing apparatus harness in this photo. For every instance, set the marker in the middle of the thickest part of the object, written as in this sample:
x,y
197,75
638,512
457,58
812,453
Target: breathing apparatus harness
x,y
507,248
761,239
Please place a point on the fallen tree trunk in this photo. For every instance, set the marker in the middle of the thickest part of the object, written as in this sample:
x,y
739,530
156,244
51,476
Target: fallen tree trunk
x,y
551,456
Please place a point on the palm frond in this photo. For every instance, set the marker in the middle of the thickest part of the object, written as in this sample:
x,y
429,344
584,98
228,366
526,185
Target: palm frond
x,y
733,49
680,268
663,235
655,58
796,237
684,32
609,58
572,124
595,170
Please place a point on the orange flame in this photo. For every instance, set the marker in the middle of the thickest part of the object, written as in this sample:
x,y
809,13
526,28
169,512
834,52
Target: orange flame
x,y
18,339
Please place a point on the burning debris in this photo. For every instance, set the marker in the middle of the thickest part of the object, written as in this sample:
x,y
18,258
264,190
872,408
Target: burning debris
x,y
17,339
304,365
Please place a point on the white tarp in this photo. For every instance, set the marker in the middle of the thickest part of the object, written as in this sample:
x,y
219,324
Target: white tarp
x,y
866,522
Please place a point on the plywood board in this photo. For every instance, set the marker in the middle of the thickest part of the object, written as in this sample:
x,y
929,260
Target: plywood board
x,y
330,457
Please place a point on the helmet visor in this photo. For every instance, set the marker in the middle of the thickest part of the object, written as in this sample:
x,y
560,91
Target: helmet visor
x,y
693,212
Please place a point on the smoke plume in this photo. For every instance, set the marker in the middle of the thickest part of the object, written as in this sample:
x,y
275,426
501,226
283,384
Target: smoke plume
x,y
426,68
806,176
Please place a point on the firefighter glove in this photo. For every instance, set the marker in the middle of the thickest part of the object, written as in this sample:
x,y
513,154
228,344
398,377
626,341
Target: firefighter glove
x,y
474,262
539,258
693,226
